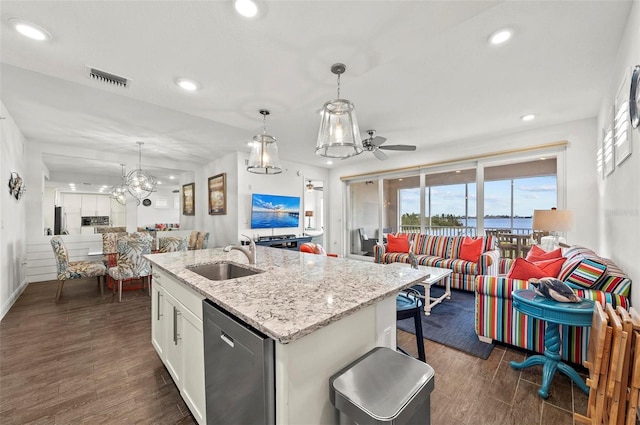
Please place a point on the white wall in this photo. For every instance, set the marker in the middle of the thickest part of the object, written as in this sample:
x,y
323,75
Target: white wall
x,y
240,184
291,182
148,216
619,200
13,224
579,166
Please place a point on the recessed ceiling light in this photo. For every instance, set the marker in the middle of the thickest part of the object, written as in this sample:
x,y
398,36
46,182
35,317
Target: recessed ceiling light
x,y
172,177
528,117
542,158
329,162
30,30
500,36
187,84
246,8
159,182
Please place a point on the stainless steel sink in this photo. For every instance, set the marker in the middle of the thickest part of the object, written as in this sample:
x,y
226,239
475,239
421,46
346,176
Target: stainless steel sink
x,y
223,271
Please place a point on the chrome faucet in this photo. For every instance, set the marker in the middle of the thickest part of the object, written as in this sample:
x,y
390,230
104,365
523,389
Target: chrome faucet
x,y
250,253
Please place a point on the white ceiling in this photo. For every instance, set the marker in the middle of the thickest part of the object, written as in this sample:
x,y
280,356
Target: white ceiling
x,y
419,72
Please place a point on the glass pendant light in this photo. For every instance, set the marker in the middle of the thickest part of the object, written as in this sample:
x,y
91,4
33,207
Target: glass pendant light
x,y
264,157
339,135
119,191
140,183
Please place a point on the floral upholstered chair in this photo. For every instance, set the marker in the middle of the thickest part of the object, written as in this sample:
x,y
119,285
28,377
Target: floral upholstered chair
x,y
68,270
193,239
172,244
203,240
131,261
109,248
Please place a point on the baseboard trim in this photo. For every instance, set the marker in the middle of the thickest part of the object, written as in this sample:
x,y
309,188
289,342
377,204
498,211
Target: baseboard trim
x,y
6,306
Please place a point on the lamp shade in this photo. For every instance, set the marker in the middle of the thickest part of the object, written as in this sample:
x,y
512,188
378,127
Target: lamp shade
x,y
264,158
308,213
552,220
339,135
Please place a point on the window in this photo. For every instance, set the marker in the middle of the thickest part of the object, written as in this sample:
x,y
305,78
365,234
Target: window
x,y
513,191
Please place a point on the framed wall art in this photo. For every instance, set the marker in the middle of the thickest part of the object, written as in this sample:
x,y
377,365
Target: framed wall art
x,y
188,199
218,194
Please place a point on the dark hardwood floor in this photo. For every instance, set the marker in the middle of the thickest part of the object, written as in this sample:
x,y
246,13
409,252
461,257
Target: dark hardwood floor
x,y
90,360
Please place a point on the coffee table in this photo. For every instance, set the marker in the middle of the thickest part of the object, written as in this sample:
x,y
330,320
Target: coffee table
x,y
436,274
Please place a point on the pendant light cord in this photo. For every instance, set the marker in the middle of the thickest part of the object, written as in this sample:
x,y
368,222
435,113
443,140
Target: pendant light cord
x,y
338,86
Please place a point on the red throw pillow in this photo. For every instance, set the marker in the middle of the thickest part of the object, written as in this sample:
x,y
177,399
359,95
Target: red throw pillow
x,y
538,254
471,249
525,270
398,243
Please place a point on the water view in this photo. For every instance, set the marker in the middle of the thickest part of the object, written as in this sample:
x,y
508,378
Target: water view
x,y
273,219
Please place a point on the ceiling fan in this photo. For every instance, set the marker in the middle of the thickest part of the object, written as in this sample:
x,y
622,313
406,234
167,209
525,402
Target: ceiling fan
x,y
373,142
311,187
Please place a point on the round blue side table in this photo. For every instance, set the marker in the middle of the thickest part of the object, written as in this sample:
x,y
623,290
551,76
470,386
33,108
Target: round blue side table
x,y
554,314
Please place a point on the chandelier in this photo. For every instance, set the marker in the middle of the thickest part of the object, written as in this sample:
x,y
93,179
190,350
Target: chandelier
x,y
264,157
339,135
140,183
119,192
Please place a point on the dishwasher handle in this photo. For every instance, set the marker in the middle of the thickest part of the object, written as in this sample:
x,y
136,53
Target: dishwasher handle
x,y
226,338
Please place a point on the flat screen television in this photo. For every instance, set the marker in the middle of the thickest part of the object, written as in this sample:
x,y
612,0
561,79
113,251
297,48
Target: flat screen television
x,y
273,211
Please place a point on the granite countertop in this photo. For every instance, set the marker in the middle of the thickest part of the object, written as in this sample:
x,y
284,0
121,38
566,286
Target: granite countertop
x,y
296,294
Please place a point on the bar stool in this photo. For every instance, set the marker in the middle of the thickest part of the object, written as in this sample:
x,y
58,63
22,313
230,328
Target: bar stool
x,y
409,304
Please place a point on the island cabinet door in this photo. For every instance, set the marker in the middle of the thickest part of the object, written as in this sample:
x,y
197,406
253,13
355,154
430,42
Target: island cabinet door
x,y
172,338
158,319
192,389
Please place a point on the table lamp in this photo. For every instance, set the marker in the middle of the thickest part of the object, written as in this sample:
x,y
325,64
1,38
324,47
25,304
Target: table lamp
x,y
308,214
553,221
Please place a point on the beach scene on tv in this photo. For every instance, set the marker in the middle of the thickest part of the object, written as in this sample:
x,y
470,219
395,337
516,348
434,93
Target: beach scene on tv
x,y
271,211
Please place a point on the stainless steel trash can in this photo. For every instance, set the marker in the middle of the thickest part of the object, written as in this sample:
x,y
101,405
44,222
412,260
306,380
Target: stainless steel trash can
x,y
383,387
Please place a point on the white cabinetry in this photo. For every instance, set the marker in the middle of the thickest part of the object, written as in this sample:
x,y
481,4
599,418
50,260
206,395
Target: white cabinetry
x,y
103,205
72,202
96,205
118,213
176,334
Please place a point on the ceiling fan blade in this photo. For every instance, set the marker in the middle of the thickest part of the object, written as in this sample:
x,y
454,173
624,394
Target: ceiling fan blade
x,y
398,148
377,141
380,155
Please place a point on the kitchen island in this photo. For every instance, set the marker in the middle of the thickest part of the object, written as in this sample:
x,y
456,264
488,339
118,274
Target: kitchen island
x,y
322,312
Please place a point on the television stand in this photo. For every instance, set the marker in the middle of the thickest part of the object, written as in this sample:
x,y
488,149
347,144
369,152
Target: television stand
x,y
290,242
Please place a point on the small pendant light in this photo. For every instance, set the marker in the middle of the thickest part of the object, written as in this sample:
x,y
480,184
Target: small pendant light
x,y
264,157
339,135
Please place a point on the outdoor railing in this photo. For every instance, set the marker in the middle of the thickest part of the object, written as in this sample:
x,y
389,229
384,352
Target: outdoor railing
x,y
458,230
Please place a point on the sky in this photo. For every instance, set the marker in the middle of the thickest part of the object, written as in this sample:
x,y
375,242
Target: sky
x,y
533,193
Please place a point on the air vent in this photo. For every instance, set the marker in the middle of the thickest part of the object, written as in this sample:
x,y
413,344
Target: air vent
x,y
175,191
105,77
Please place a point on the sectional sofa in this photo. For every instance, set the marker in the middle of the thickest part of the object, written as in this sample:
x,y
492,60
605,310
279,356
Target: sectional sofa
x,y
591,276
445,251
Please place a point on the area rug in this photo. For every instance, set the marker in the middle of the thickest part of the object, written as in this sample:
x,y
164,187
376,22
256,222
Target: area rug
x,y
451,323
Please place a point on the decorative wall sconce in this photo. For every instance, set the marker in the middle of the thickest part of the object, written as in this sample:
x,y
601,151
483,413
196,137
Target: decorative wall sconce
x,y
16,186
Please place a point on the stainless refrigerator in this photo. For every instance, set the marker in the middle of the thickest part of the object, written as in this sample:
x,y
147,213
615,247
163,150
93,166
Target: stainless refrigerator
x,y
58,220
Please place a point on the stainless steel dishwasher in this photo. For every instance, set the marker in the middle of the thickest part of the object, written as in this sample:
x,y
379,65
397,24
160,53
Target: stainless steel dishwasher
x,y
239,366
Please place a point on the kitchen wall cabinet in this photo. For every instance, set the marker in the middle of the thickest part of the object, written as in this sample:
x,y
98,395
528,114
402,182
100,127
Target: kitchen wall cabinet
x,y
96,205
118,213
176,334
72,203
